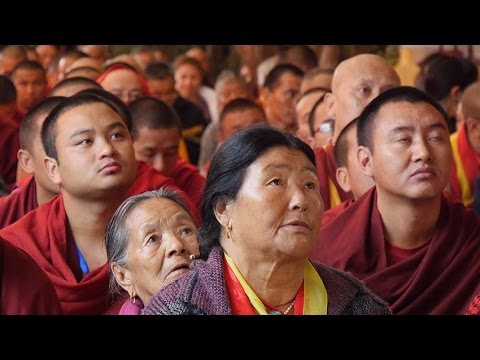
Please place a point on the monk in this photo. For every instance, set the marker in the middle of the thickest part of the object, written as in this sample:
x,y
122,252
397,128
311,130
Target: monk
x,y
412,246
349,174
24,287
466,147
37,188
156,133
356,81
90,156
71,86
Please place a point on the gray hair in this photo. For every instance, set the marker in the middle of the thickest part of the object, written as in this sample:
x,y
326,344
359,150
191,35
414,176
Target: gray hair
x,y
116,235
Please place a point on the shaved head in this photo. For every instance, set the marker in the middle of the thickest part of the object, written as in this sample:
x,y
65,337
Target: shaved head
x,y
471,101
357,81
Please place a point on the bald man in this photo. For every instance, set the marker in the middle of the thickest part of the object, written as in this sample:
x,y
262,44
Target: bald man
x,y
466,147
10,57
356,81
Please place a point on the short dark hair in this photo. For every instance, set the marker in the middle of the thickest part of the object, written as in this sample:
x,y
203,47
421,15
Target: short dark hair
x,y
49,128
29,124
114,101
273,77
366,120
158,71
227,172
240,104
28,65
8,93
152,113
342,146
78,80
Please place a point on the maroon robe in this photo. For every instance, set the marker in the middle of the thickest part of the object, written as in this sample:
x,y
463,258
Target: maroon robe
x,y
44,233
18,203
188,179
148,179
9,146
440,278
24,287
332,213
326,169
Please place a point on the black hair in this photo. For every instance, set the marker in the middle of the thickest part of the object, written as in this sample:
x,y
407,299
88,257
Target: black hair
x,y
366,120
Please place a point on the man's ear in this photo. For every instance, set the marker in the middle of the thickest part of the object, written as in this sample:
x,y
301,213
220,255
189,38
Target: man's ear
x,y
25,160
330,104
364,157
123,276
51,166
343,179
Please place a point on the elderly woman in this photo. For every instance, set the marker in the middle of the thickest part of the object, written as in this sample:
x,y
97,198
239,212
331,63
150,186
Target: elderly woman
x,y
261,213
151,241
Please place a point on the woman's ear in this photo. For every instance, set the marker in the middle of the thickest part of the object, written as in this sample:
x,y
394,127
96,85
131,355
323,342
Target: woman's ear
x,y
222,211
123,276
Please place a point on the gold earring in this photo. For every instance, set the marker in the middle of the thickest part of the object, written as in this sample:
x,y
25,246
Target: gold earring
x,y
229,230
133,296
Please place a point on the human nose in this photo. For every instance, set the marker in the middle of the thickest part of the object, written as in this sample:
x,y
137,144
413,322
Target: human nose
x,y
106,149
175,246
159,163
298,199
421,151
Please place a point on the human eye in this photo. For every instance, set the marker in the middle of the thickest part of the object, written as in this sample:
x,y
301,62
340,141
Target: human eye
x,y
117,135
186,231
275,182
85,142
310,185
152,239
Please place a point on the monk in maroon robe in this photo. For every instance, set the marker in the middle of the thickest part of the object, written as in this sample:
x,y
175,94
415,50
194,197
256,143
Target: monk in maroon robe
x,y
24,287
356,81
90,156
349,175
156,133
410,244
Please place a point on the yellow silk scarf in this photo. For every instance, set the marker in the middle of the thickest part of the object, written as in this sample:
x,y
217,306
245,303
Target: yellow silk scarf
x,y
315,299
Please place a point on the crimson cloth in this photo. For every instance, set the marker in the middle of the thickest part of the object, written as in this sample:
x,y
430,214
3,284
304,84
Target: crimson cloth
x,y
187,178
24,287
148,179
45,235
18,203
326,169
9,146
332,213
439,278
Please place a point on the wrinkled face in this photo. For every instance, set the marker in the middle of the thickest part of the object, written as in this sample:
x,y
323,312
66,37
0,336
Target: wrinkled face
x,y
158,147
303,108
188,81
280,102
31,87
124,84
412,154
163,90
278,209
231,90
239,120
95,151
359,182
162,236
358,86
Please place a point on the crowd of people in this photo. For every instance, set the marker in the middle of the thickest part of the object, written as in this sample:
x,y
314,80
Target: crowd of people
x,y
139,184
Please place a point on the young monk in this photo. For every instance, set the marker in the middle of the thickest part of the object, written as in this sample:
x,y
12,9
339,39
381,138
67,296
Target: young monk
x,y
410,245
89,155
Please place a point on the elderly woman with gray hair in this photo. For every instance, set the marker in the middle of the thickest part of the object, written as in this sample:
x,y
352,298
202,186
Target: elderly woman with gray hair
x,y
151,241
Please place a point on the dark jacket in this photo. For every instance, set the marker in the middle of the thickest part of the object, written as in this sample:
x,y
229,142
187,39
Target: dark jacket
x,y
202,291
